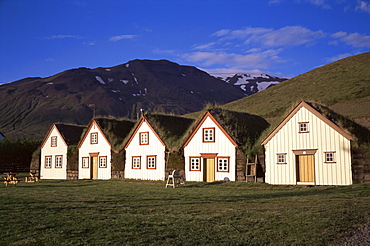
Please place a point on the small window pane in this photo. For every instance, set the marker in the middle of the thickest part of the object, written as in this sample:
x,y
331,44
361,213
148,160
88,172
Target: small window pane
x,y
329,157
58,161
144,138
281,158
85,162
94,138
223,164
103,162
151,162
53,141
136,162
194,164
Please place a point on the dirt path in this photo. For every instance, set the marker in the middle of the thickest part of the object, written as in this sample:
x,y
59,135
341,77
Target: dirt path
x,y
361,237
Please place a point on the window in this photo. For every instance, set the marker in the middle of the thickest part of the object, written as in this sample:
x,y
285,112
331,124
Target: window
x,y
94,138
151,162
102,161
329,157
136,162
303,127
194,163
281,158
58,161
85,162
144,138
47,161
54,141
223,164
208,135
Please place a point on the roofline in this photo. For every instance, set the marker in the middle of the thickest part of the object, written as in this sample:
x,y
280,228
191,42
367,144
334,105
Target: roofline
x,y
313,111
142,120
88,130
204,117
48,134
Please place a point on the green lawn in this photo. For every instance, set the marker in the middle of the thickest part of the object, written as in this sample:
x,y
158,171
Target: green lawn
x,y
127,212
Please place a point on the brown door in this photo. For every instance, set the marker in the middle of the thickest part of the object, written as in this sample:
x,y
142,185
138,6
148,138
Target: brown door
x,y
94,167
208,170
305,168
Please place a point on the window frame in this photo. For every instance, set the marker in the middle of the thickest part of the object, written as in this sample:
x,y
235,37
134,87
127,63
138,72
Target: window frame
x,y
105,163
53,141
92,139
58,157
281,158
141,142
332,153
138,166
303,129
50,163
148,162
85,164
222,170
208,139
191,169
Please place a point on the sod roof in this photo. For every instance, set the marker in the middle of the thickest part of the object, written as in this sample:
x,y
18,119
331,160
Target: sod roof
x,y
115,130
70,133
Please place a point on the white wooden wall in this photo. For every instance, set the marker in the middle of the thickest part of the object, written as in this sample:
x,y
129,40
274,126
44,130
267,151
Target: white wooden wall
x,y
321,137
154,148
47,150
222,146
103,148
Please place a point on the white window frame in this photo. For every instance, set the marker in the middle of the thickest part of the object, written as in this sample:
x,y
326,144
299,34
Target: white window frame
x,y
151,162
144,138
136,162
48,161
58,161
194,163
94,138
223,164
53,141
102,162
209,135
85,162
303,127
281,158
329,156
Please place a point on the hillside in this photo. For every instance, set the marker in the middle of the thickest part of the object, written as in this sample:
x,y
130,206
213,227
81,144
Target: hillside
x,y
28,107
343,86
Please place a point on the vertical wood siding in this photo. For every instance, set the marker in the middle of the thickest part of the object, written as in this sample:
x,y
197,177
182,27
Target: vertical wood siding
x,y
222,147
102,147
321,137
154,148
47,150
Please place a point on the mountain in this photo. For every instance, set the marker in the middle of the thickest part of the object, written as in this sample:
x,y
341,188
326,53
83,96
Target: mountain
x,y
29,106
250,84
343,86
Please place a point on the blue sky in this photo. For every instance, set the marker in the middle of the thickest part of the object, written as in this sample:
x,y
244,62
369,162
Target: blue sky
x,y
279,37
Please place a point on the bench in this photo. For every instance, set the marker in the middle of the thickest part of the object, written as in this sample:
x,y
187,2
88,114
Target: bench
x,y
10,179
31,179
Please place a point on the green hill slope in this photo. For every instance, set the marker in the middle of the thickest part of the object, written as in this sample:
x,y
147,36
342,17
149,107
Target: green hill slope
x,y
343,86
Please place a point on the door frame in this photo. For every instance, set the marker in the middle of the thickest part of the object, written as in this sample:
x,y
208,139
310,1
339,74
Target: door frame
x,y
205,157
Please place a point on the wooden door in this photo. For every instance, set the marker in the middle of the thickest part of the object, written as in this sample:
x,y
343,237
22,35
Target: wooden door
x,y
94,167
305,168
209,170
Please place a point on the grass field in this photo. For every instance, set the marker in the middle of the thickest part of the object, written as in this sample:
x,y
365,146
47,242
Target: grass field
x,y
128,212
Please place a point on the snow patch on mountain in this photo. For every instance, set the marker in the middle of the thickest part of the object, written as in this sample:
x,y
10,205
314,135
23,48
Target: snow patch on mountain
x,y
101,81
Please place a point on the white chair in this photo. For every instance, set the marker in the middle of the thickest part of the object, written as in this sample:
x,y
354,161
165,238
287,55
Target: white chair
x,y
175,179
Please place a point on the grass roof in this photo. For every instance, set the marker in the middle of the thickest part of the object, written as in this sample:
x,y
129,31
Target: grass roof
x,y
115,130
70,133
171,129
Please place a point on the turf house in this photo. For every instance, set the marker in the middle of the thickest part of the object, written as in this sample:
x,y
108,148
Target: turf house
x,y
58,152
153,146
312,146
216,148
100,149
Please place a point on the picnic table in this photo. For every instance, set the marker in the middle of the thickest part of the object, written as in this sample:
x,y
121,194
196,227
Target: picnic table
x,y
10,179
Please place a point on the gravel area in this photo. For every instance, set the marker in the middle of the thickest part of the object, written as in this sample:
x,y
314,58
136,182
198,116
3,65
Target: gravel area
x,y
361,237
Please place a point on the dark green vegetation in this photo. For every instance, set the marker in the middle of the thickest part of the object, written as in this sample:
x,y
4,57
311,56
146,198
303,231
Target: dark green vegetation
x,y
343,86
127,212
16,154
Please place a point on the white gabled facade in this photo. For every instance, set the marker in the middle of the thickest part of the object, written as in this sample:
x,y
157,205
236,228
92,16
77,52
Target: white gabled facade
x,y
53,156
307,148
94,150
210,153
145,154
